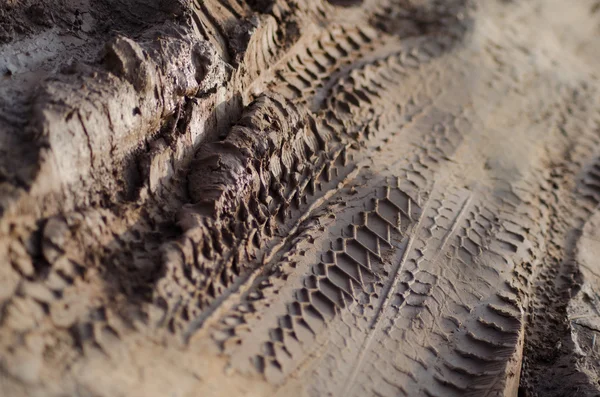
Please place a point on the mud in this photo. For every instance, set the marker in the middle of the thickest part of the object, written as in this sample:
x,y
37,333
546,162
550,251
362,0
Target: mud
x,y
226,197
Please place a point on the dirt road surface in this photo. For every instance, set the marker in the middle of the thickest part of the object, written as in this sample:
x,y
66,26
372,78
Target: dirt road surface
x,y
299,198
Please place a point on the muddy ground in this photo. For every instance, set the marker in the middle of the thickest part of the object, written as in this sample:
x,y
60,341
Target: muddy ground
x,y
311,198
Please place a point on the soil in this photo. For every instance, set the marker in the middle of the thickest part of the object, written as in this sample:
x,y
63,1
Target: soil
x,y
306,198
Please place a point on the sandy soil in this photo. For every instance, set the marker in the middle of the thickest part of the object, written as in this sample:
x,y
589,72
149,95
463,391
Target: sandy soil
x,y
311,198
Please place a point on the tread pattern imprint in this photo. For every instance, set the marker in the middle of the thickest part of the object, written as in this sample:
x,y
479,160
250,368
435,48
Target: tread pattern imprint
x,y
388,216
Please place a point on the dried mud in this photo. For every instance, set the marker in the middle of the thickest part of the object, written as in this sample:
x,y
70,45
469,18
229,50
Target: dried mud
x,y
267,197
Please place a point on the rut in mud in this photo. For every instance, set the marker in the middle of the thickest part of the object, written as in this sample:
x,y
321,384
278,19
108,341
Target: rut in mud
x,y
345,198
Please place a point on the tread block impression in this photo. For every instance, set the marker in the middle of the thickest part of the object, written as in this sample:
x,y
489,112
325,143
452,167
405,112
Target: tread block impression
x,y
299,198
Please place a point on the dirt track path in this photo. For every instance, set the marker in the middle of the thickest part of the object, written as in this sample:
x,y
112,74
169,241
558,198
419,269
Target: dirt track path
x,y
343,198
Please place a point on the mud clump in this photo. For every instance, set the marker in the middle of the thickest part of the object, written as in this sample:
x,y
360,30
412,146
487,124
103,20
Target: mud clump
x,y
126,59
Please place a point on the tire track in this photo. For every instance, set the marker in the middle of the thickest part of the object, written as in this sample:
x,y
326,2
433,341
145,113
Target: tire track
x,y
387,203
375,323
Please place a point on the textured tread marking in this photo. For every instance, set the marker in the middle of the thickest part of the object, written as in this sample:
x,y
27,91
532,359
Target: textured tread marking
x,y
387,210
326,190
450,384
416,285
467,248
497,327
364,267
367,72
332,291
374,324
357,252
391,223
490,343
341,280
337,47
349,267
313,318
471,354
336,280
378,226
481,350
323,303
473,371
368,240
508,298
504,312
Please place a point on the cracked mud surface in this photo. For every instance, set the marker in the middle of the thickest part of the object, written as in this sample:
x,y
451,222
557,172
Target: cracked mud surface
x,y
313,198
